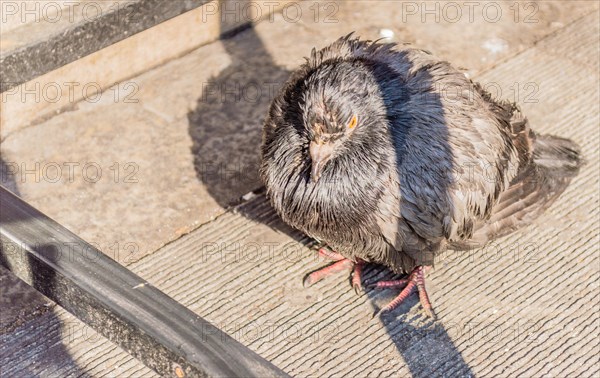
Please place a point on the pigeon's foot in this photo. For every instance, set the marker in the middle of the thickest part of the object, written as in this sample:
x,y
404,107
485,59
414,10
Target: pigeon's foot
x,y
416,280
341,263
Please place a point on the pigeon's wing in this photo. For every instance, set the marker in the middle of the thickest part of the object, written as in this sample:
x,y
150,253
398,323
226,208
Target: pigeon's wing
x,y
555,162
457,152
544,168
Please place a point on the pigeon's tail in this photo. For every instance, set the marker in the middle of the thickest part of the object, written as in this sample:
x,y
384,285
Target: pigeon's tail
x,y
555,162
560,158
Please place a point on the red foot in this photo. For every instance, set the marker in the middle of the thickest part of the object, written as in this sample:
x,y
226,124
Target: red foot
x,y
416,280
341,263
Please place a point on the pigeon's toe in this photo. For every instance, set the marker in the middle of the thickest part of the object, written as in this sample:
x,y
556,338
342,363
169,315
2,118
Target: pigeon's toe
x,y
321,273
414,282
357,277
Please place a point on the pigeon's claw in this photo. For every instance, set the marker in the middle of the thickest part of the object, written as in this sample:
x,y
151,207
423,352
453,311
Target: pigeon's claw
x,y
415,281
357,276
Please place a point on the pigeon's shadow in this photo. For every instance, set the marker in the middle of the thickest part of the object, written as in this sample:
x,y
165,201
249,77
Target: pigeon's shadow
x,y
226,124
226,130
29,330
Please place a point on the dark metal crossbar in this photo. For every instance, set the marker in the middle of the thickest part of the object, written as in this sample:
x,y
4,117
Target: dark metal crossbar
x,y
144,321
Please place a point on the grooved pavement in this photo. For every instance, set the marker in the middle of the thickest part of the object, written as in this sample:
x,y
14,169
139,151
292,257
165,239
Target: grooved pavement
x,y
526,305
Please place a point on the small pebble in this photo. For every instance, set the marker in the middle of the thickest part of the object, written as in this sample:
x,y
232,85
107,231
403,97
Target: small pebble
x,y
495,45
248,196
386,33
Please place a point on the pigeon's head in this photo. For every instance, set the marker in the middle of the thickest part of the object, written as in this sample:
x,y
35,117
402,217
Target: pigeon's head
x,y
341,100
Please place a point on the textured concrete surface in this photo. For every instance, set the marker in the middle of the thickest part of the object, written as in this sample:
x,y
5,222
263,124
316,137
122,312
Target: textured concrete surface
x,y
55,344
528,304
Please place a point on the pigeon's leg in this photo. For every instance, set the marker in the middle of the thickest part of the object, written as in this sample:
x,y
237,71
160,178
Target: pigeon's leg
x,y
341,263
331,255
416,280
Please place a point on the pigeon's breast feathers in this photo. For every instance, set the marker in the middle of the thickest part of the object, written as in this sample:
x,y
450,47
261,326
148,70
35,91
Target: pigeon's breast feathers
x,y
327,149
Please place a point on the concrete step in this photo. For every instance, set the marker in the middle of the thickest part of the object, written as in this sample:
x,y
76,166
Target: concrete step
x,y
186,151
41,36
16,15
54,55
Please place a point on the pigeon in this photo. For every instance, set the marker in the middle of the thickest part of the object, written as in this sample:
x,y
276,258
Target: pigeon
x,y
389,155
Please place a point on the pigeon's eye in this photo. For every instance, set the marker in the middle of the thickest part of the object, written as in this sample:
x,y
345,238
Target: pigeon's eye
x,y
353,122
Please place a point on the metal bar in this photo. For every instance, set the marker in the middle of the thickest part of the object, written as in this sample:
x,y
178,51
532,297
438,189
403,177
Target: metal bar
x,y
144,321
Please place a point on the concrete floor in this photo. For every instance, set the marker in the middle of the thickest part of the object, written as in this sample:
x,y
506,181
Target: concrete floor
x,y
526,305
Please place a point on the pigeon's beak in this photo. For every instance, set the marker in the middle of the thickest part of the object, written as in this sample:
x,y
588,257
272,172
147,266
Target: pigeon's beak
x,y
319,154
